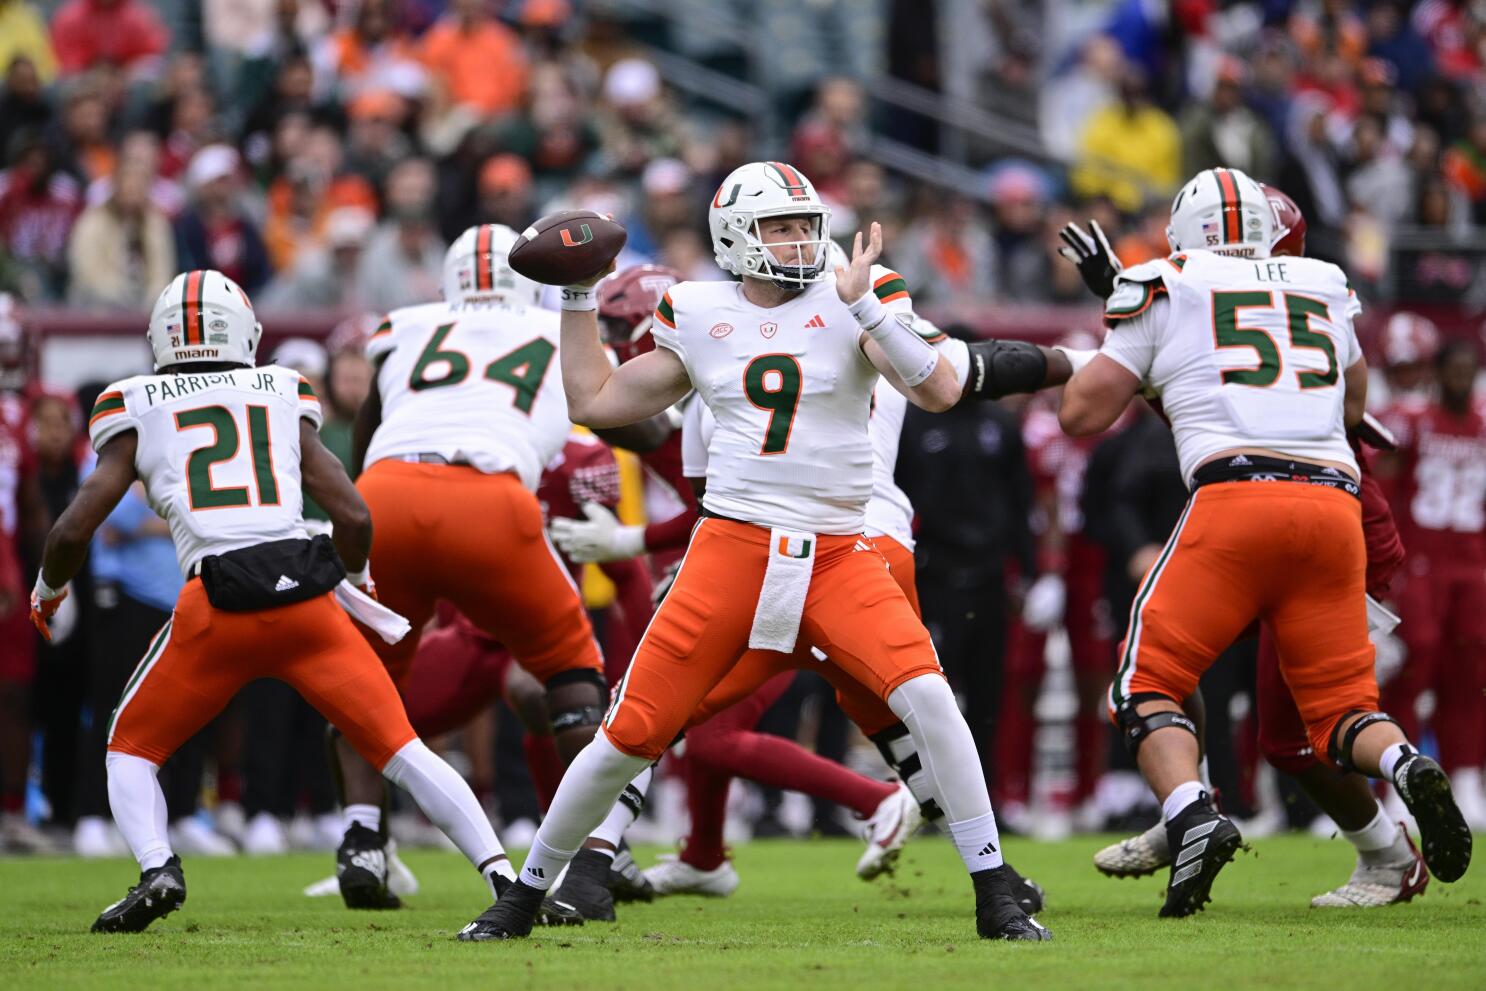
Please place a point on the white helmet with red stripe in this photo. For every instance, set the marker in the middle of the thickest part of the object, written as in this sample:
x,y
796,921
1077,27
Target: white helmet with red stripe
x,y
476,267
1409,338
1222,210
756,191
202,317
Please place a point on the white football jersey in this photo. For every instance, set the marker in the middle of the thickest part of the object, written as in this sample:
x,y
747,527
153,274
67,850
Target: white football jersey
x,y
1243,352
477,384
889,513
218,452
791,390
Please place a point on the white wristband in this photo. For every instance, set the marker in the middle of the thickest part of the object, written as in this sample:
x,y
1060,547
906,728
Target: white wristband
x,y
910,355
868,311
580,298
43,591
1078,359
361,577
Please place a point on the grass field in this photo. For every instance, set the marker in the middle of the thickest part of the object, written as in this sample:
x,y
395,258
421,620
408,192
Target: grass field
x,y
801,919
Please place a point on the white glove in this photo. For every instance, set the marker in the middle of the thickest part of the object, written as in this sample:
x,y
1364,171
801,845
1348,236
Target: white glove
x,y
1042,609
600,538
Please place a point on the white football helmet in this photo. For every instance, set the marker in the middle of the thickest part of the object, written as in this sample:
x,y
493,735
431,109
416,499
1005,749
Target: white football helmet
x,y
475,267
1222,210
767,189
203,316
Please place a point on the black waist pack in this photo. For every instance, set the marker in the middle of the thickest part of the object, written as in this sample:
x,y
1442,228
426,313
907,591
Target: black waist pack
x,y
277,573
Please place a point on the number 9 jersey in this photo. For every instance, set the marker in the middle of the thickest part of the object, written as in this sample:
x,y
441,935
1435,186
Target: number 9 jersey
x,y
218,452
474,383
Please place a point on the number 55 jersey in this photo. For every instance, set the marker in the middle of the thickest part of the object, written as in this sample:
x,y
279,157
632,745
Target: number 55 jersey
x,y
218,452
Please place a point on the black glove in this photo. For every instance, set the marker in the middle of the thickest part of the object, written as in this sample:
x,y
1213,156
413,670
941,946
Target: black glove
x,y
1096,262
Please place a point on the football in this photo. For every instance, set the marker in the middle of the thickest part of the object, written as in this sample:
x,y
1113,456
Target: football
x,y
567,247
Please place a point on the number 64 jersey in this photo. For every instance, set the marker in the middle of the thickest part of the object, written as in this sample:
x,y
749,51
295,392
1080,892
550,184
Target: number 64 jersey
x,y
477,384
218,452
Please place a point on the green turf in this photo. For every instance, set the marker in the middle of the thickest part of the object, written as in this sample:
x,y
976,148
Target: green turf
x,y
801,919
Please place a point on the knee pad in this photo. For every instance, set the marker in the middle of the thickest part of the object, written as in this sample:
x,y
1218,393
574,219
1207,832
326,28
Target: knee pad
x,y
1137,727
576,699
1340,748
901,754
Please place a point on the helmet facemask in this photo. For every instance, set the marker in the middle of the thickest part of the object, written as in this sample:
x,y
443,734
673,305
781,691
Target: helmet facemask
x,y
759,261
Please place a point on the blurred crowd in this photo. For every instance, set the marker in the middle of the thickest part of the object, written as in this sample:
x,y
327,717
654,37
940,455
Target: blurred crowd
x,y
323,153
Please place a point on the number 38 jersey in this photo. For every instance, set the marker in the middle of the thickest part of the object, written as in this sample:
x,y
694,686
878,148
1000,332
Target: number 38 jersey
x,y
476,384
218,452
1243,352
791,392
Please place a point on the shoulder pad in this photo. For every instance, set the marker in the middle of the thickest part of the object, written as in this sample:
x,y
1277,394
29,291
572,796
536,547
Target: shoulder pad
x,y
1138,286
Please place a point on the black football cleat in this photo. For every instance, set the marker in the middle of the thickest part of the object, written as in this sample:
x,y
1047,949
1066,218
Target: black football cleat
x,y
1443,833
627,883
997,913
1026,892
511,917
586,886
1202,840
552,912
361,870
160,891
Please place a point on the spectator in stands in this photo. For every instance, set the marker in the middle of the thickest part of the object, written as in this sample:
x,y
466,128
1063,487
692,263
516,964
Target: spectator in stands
x,y
1130,151
291,92
1464,166
23,37
122,251
38,203
141,149
1393,39
403,261
638,124
948,255
372,52
23,105
828,134
668,200
301,200
1311,173
325,278
477,60
505,192
86,148
125,33
1068,101
555,134
1019,193
375,141
192,126
1379,181
215,231
1224,132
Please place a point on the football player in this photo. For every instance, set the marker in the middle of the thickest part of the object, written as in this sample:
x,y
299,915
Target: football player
x,y
1267,395
222,448
786,360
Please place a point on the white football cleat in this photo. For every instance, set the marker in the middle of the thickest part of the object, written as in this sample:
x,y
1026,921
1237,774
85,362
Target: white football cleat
x,y
672,876
95,836
400,880
193,837
265,835
896,818
1374,887
1142,854
17,835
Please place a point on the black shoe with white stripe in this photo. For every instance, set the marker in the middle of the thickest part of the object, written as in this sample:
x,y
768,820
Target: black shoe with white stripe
x,y
1026,892
1202,840
1443,833
586,886
626,881
361,870
997,913
160,891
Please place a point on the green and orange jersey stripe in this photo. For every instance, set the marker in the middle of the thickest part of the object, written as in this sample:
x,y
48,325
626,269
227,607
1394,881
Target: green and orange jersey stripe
x,y
108,404
665,312
193,319
307,391
1232,206
383,329
484,278
890,287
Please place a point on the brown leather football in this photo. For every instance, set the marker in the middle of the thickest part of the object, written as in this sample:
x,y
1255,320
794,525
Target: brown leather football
x,y
567,247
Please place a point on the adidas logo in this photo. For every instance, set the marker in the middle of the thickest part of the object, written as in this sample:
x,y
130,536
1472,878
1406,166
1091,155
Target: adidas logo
x,y
536,872
1194,842
1239,462
285,583
371,861
815,322
987,850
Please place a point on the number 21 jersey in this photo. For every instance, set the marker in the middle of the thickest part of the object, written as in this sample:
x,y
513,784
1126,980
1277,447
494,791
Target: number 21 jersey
x,y
218,452
475,384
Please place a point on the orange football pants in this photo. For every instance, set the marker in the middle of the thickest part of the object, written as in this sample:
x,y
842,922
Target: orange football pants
x,y
1288,553
476,540
203,656
756,667
855,612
